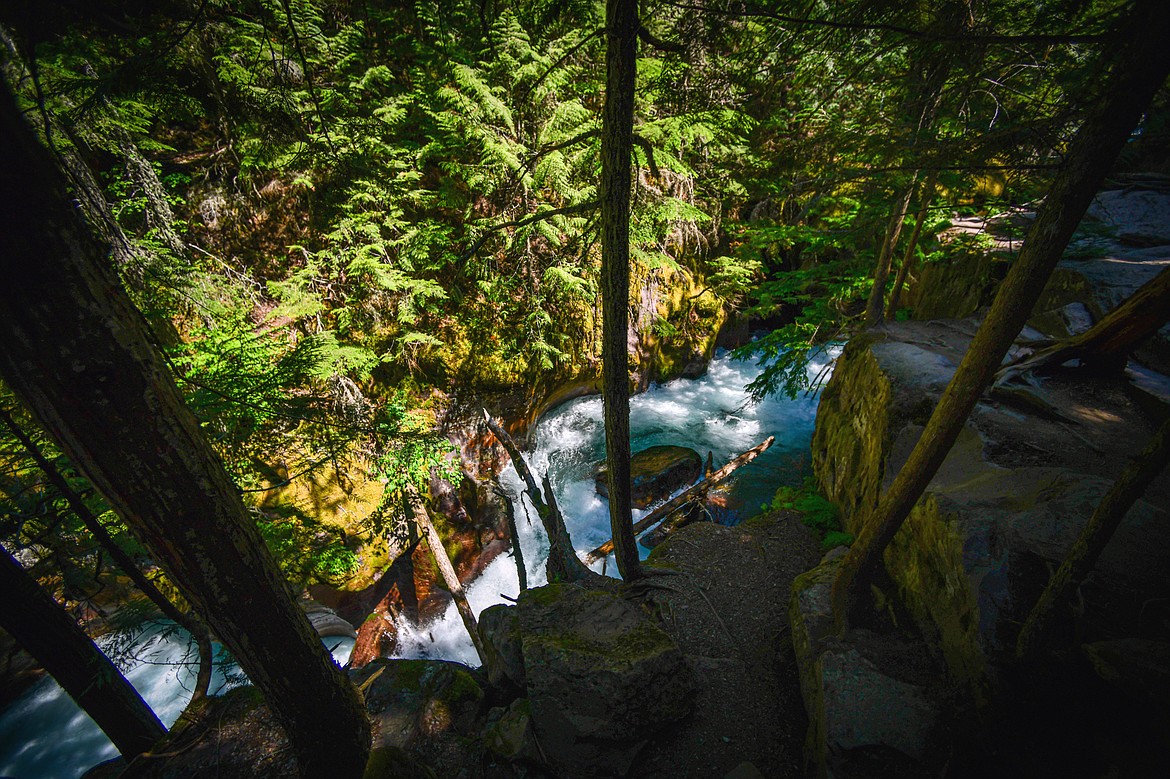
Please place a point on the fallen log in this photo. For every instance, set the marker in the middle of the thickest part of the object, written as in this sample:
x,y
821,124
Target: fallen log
x,y
670,506
1106,345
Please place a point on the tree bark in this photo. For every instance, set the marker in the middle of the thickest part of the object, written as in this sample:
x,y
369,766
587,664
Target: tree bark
x,y
881,273
450,578
1138,74
48,633
78,355
188,622
617,131
1129,486
514,533
910,254
1105,346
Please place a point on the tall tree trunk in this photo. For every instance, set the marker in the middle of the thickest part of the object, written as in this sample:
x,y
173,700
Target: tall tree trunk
x,y
933,68
925,197
78,355
48,633
1129,486
188,622
1138,74
621,27
881,272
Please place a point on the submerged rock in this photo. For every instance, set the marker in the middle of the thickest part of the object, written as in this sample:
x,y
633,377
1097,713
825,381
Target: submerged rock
x,y
657,472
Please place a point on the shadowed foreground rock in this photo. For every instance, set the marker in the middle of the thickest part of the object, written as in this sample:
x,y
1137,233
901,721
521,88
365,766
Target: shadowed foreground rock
x,y
600,680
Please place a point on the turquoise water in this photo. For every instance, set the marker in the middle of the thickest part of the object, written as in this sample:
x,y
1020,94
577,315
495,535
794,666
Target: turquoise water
x,y
44,735
710,414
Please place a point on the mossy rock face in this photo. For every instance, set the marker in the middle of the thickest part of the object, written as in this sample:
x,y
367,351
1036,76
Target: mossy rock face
x,y
657,472
499,632
873,702
511,736
955,289
601,678
409,699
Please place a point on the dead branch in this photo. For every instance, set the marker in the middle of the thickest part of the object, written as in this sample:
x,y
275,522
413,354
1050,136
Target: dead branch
x,y
670,506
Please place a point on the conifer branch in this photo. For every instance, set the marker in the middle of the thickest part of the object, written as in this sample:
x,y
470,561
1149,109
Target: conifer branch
x,y
650,39
539,216
922,35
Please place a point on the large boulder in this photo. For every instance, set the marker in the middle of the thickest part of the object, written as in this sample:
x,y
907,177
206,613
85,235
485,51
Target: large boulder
x,y
657,472
600,679
874,702
410,699
1007,504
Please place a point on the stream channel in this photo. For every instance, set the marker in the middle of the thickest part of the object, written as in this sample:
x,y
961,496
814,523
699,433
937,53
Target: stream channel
x,y
44,735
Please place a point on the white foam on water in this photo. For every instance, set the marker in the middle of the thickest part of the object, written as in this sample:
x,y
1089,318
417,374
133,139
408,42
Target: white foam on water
x,y
45,735
713,414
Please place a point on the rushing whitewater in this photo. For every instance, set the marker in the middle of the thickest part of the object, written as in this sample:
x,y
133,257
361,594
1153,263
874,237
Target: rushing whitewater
x,y
45,735
710,414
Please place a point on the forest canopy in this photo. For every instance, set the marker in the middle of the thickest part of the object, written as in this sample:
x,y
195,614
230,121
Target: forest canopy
x,y
343,219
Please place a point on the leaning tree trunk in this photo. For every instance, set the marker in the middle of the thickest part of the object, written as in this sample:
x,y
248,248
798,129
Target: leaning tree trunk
x,y
414,505
1129,486
49,634
78,355
562,564
617,133
908,257
122,559
1138,74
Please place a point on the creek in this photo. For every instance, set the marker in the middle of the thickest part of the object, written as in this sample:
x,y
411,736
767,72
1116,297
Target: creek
x,y
712,413
44,735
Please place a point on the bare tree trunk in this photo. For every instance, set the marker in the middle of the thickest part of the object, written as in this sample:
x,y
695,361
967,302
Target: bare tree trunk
x,y
908,257
621,27
1139,73
450,578
1129,486
188,622
78,355
1105,346
881,272
563,563
48,633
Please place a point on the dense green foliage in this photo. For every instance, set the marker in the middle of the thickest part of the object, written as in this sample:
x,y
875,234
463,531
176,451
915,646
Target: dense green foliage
x,y
340,216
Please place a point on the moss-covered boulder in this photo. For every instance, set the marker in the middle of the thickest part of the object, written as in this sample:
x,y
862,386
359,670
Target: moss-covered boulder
x,y
873,700
601,678
656,472
499,632
409,699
